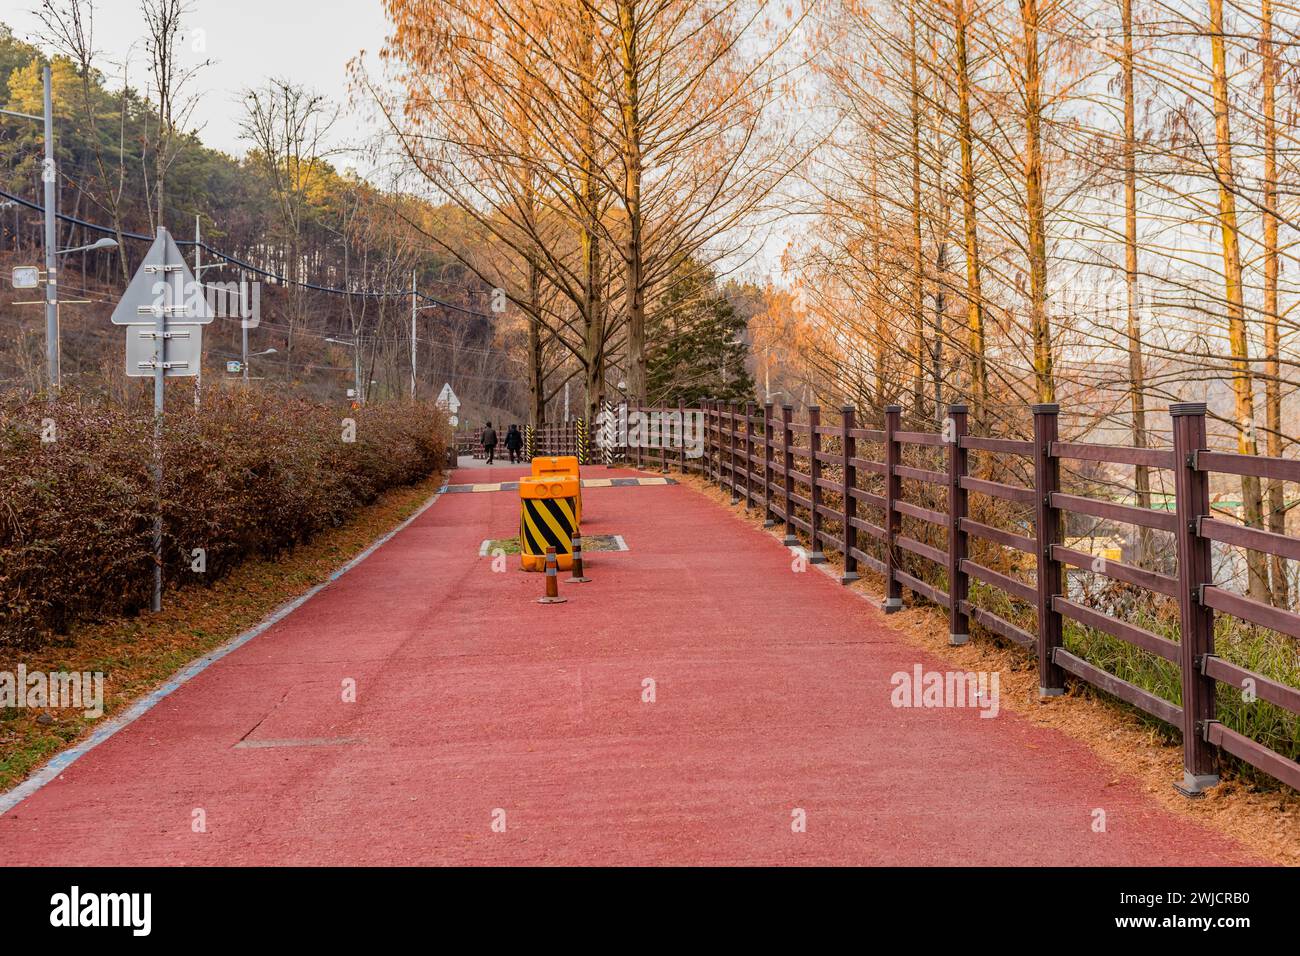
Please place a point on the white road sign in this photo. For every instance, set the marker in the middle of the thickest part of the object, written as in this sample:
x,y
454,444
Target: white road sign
x,y
180,351
26,277
163,281
448,400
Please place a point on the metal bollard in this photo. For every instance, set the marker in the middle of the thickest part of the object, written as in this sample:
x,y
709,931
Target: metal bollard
x,y
578,576
552,582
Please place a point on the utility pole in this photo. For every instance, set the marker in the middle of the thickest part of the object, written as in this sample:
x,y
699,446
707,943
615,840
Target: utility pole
x,y
159,379
198,279
356,371
243,329
50,178
413,295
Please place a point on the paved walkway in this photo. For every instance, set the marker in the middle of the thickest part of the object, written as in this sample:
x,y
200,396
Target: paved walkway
x,y
772,694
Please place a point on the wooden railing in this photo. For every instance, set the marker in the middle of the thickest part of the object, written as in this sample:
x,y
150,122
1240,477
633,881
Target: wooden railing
x,y
555,438
819,481
549,439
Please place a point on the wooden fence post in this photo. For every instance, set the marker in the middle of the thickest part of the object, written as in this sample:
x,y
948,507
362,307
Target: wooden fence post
x,y
1047,529
958,583
815,492
1192,502
849,448
787,479
749,455
769,518
716,462
681,436
663,420
706,466
732,435
640,434
893,520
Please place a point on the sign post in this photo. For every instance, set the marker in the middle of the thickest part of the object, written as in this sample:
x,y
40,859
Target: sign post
x,y
448,400
161,289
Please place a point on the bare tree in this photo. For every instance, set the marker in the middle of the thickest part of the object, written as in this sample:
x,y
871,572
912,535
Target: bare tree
x,y
170,83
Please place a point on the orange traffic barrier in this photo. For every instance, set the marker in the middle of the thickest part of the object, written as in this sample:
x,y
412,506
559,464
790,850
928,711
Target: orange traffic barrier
x,y
553,465
548,518
552,595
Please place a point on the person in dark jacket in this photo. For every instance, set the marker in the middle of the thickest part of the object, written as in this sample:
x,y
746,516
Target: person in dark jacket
x,y
514,442
489,439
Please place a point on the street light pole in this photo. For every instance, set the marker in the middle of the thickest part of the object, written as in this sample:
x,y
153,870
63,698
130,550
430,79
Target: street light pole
x,y
198,281
51,263
243,329
413,310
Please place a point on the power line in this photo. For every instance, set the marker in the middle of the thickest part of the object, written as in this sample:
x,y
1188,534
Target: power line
x,y
257,270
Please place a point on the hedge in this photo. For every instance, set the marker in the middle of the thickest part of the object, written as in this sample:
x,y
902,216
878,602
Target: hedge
x,y
252,473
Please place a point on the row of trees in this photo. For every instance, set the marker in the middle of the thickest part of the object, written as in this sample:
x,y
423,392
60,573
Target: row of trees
x,y
1088,202
128,158
614,156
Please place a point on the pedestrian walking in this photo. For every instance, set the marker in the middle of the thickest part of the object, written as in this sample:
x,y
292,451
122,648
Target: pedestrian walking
x,y
489,439
514,444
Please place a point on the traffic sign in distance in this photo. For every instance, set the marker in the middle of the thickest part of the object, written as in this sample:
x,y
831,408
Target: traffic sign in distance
x,y
163,281
234,367
448,400
180,351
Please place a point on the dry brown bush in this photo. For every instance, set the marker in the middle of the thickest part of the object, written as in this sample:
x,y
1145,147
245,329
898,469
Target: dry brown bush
x,y
251,473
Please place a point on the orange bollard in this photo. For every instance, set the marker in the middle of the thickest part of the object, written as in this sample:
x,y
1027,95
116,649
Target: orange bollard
x,y
578,576
552,582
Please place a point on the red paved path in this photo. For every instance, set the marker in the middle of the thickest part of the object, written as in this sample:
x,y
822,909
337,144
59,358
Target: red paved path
x,y
772,693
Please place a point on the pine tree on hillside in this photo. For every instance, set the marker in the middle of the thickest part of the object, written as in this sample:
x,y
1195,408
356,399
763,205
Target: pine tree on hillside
x,y
696,345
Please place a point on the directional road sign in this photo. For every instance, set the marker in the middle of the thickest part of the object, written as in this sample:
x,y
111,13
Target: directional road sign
x,y
448,400
179,351
163,282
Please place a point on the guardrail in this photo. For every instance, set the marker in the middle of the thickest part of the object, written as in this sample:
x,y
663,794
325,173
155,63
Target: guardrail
x,y
817,480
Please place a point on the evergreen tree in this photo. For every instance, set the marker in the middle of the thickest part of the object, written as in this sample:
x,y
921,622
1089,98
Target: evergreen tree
x,y
697,344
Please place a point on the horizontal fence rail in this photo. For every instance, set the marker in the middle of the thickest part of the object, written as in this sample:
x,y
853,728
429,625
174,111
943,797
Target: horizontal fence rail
x,y
905,505
548,440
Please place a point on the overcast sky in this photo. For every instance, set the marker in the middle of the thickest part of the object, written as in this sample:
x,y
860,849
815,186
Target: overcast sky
x,y
249,41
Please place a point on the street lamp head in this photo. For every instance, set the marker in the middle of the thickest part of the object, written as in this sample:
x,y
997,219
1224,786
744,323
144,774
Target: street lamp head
x,y
105,243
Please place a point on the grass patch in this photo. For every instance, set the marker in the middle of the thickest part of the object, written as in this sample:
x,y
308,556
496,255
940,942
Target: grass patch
x,y
590,543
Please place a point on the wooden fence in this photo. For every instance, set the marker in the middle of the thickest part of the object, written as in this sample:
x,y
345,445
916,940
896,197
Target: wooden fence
x,y
818,479
550,439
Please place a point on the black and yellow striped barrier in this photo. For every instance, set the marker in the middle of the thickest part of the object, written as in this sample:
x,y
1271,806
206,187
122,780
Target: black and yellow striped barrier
x,y
548,518
558,466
